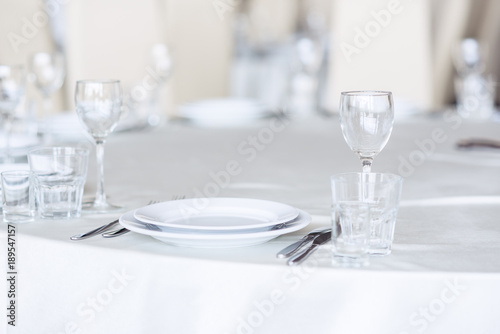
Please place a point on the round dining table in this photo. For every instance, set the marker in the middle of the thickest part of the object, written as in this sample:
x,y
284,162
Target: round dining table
x,y
443,275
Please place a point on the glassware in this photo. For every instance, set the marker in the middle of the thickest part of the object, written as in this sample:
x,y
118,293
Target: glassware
x,y
474,90
17,197
351,233
12,89
99,105
366,119
47,72
160,63
381,192
59,175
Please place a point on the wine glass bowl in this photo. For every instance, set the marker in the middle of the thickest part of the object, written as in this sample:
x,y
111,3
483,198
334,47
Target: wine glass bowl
x,y
47,71
12,89
366,119
98,106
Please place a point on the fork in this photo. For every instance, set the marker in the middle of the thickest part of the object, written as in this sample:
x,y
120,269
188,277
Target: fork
x,y
123,230
98,230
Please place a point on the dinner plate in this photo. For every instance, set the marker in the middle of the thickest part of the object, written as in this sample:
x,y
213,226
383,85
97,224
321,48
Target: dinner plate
x,y
212,239
223,112
216,213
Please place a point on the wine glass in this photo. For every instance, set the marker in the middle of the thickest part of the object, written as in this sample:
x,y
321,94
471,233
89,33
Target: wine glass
x,y
47,72
160,62
12,88
366,119
99,105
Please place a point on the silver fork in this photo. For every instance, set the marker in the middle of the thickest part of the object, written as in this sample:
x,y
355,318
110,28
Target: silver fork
x,y
123,230
98,230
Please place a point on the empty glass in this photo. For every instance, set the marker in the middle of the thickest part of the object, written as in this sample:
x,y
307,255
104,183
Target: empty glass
x,y
17,197
381,192
47,72
12,89
99,105
350,230
474,90
59,175
366,119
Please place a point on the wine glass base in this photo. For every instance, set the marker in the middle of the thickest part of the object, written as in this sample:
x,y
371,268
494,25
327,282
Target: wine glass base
x,y
96,207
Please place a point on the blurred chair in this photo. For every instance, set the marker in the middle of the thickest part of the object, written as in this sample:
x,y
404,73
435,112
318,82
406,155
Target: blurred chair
x,y
113,39
383,45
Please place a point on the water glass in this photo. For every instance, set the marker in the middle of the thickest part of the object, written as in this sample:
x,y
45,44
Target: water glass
x,y
17,197
59,175
382,193
351,233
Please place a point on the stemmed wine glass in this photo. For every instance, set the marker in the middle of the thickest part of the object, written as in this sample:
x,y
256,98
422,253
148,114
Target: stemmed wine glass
x,y
47,72
12,88
366,119
99,105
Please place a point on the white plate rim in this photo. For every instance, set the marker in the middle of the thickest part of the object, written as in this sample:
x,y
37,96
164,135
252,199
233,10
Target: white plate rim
x,y
127,221
140,215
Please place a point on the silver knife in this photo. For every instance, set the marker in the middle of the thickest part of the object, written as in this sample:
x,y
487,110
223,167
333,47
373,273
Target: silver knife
x,y
318,241
290,250
95,232
115,233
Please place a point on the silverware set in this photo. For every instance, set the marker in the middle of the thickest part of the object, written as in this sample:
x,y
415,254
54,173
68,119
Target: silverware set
x,y
104,230
298,251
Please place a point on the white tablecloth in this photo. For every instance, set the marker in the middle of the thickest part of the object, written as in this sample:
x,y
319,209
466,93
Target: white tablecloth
x,y
442,277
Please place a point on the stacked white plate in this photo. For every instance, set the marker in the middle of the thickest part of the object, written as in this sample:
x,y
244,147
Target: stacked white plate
x,y
215,222
223,112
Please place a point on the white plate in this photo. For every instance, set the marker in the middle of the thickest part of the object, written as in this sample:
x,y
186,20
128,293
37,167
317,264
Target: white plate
x,y
216,213
223,112
212,239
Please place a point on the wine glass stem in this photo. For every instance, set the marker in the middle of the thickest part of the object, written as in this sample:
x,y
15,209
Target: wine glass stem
x,y
100,196
47,104
367,164
8,134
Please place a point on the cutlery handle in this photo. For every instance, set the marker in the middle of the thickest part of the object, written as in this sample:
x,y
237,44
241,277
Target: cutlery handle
x,y
302,256
94,232
289,250
116,233
471,143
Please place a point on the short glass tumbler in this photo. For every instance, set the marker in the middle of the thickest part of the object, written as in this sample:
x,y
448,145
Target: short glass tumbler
x,y
350,233
59,175
382,193
17,197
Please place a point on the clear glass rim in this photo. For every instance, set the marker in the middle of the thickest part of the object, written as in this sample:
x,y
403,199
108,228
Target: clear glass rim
x,y
17,172
367,93
98,81
342,177
60,151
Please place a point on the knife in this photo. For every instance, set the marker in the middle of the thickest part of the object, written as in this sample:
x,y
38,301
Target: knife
x,y
318,241
290,250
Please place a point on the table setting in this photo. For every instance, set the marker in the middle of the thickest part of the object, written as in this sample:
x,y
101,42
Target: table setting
x,y
237,215
260,219
435,242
